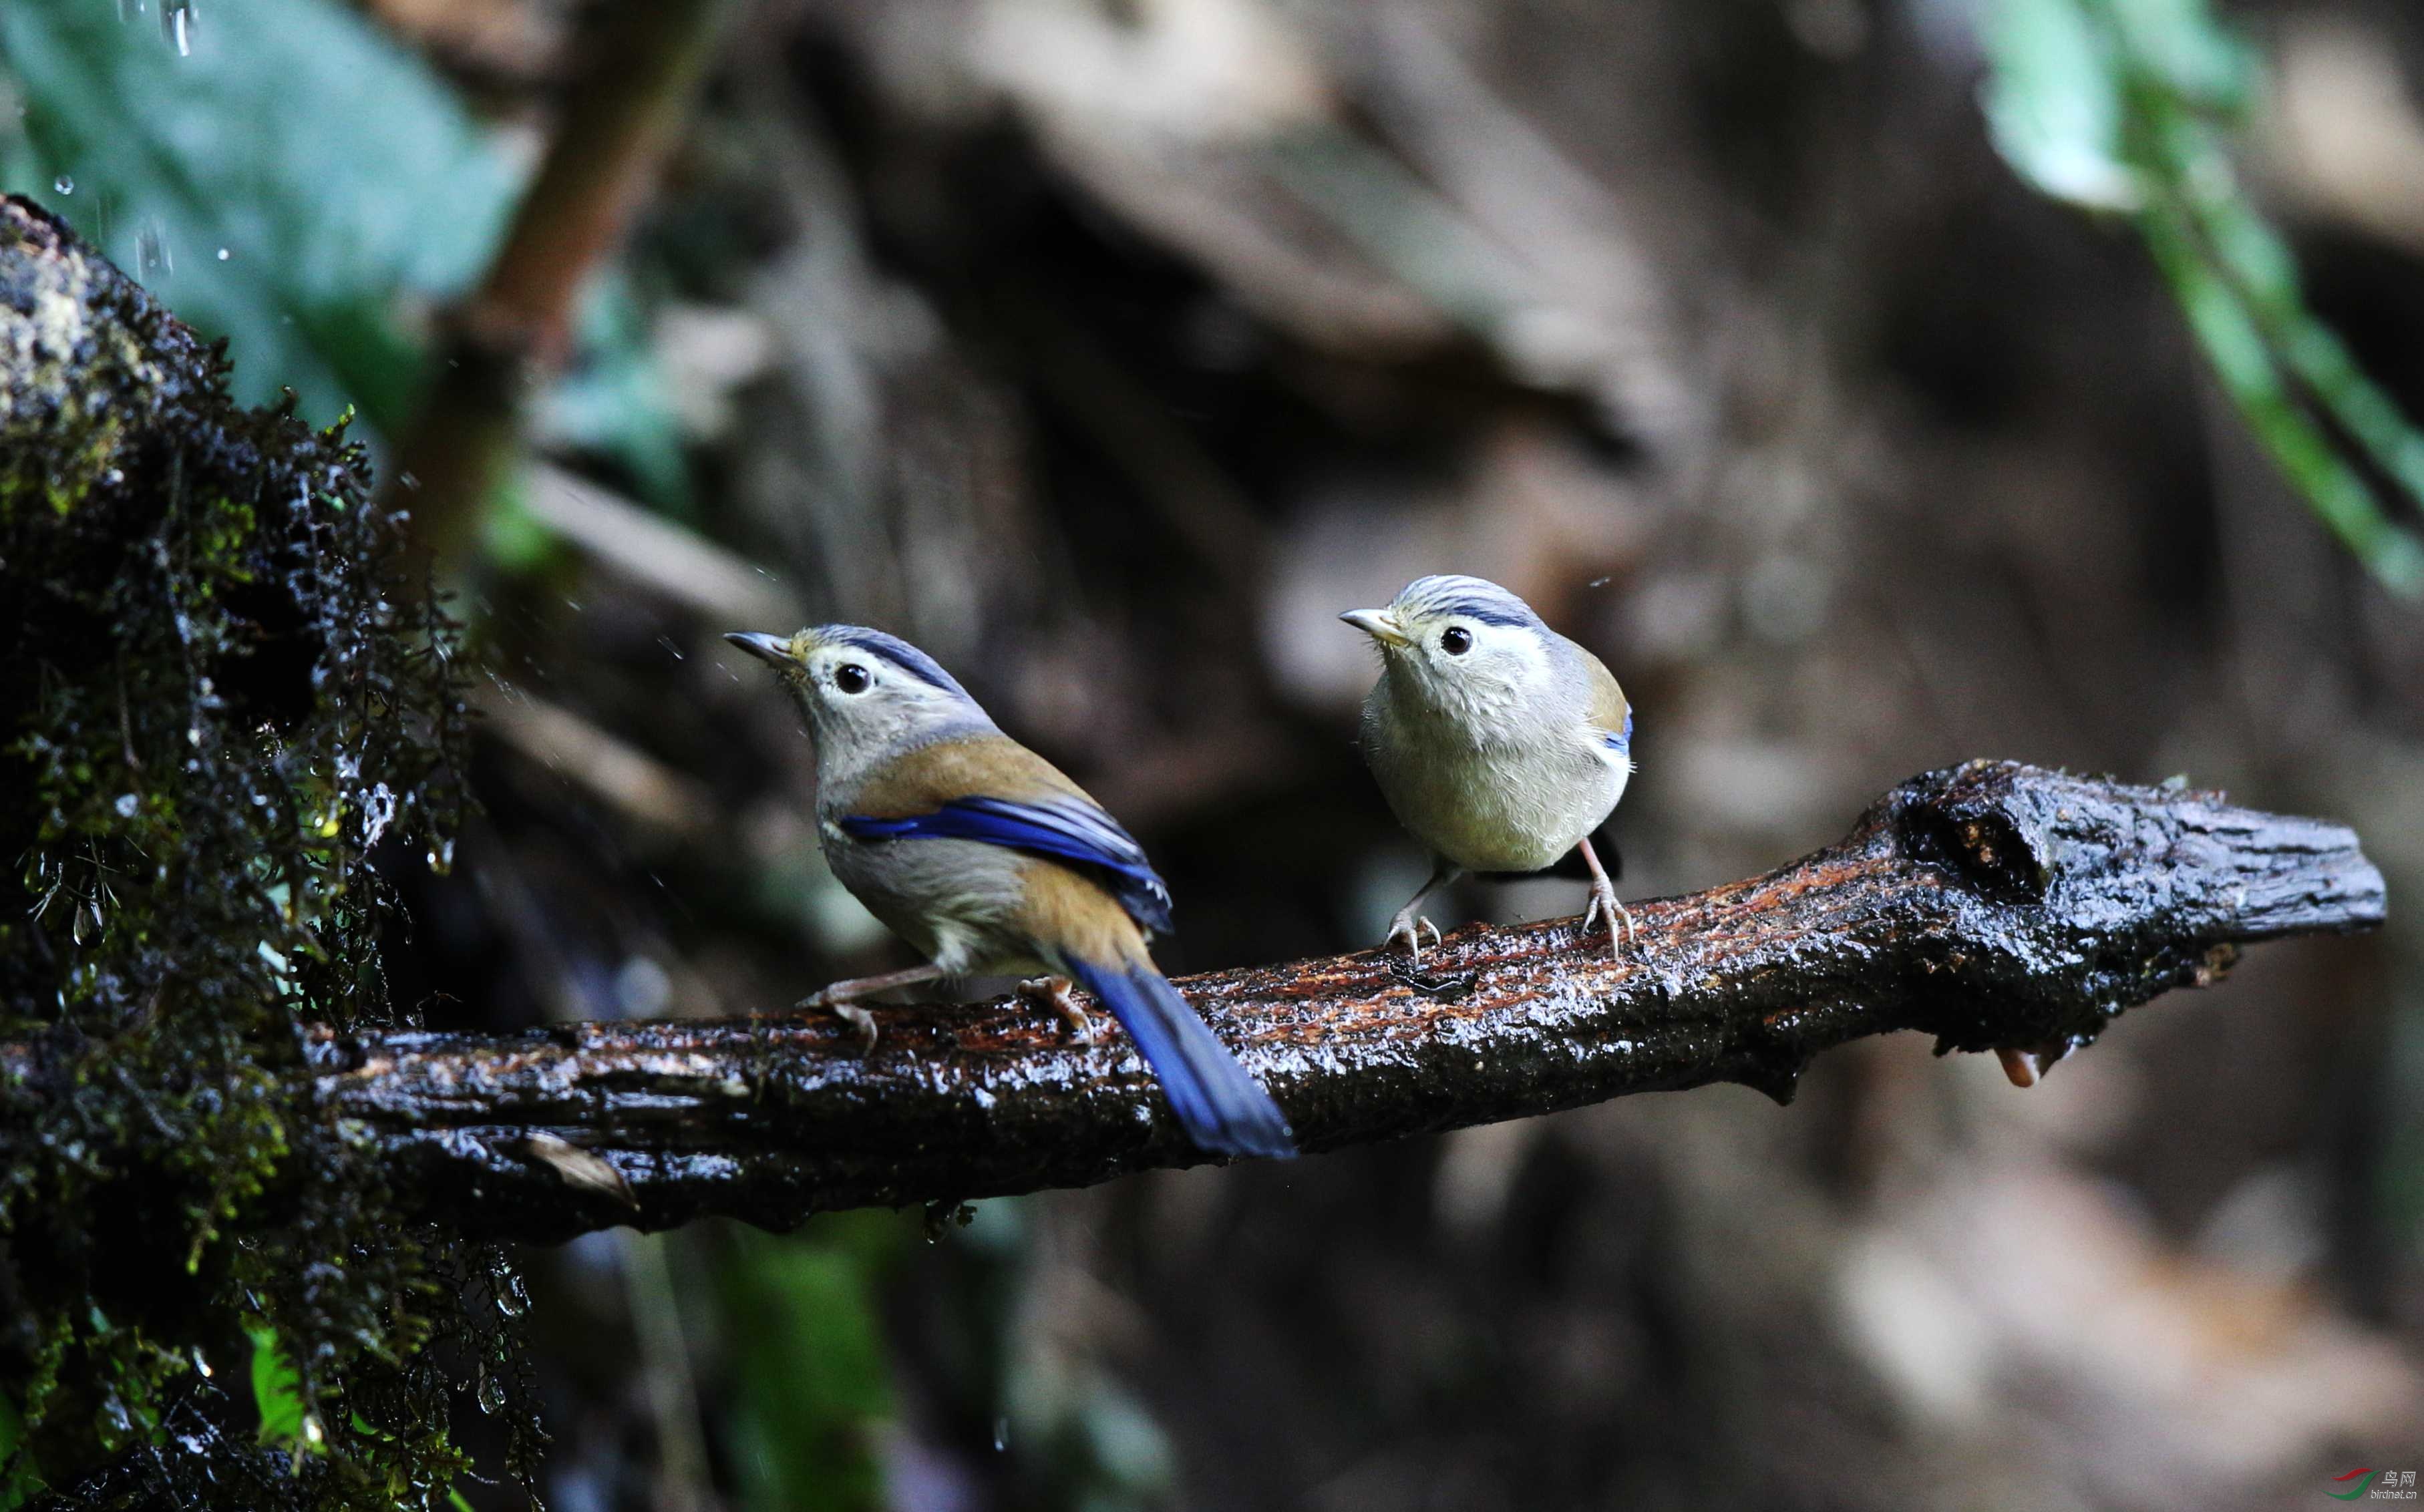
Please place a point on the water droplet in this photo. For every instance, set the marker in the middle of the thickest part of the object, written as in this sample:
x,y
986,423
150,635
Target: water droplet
x,y
671,649
1001,1433
442,857
63,185
223,254
128,805
514,1299
411,483
492,1393
176,25
202,1365
152,252
573,604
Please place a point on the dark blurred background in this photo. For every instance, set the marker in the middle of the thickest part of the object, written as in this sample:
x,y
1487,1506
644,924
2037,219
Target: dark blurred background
x,y
1804,358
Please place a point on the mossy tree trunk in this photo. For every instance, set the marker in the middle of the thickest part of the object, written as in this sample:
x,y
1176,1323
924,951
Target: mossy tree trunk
x,y
212,716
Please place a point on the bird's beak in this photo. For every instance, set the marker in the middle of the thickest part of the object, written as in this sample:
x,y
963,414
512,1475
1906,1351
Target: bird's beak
x,y
771,649
1378,624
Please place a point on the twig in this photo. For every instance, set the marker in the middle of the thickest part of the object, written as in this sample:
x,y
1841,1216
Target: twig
x,y
657,554
1993,905
622,113
639,786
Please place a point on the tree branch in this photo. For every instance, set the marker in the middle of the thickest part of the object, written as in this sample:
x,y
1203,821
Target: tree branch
x,y
622,118
1992,905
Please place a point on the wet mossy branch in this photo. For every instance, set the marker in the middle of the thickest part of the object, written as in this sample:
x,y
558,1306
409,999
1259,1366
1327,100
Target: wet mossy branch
x,y
1994,906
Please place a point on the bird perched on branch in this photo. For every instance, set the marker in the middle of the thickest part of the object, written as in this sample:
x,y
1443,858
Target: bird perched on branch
x,y
1498,743
983,857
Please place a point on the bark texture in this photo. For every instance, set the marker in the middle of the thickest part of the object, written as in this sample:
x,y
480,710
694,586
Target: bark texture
x,y
1992,905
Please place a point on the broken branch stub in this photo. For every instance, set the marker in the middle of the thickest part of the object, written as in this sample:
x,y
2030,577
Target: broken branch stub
x,y
1993,905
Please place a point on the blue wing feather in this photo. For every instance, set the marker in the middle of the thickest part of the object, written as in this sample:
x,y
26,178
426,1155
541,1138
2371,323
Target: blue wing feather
x,y
1065,830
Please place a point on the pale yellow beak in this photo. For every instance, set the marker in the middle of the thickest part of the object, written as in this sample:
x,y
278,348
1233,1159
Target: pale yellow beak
x,y
1378,624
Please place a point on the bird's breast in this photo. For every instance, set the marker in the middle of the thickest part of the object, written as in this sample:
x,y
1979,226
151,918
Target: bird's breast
x,y
957,901
1510,804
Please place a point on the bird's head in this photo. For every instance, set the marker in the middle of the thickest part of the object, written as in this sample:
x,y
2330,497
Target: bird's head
x,y
1462,645
864,693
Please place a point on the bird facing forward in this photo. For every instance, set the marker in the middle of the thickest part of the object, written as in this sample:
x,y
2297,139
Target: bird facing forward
x,y
984,857
1498,743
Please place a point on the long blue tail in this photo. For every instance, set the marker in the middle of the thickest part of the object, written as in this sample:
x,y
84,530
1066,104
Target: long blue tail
x,y
1224,1111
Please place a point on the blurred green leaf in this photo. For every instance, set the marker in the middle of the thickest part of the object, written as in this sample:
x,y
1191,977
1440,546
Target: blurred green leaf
x,y
2058,92
613,403
2178,43
814,1386
511,537
2126,104
339,177
19,1480
307,189
2053,102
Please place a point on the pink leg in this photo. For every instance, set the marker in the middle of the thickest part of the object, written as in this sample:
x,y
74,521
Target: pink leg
x,y
1409,924
842,996
1603,904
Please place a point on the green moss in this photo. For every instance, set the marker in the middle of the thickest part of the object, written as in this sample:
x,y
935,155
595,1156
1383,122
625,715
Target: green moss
x,y
214,714
79,371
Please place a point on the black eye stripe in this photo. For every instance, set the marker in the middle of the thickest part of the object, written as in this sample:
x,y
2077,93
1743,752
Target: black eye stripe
x,y
1456,640
851,679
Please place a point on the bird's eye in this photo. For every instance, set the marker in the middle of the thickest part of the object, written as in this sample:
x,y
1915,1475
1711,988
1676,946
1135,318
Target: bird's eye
x,y
1456,640
850,678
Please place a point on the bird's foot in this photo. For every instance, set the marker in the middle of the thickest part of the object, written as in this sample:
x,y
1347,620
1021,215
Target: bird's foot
x,y
1604,907
860,1020
842,995
1408,926
1051,994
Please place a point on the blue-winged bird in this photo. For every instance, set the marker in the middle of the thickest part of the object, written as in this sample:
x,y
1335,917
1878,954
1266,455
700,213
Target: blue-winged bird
x,y
984,857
